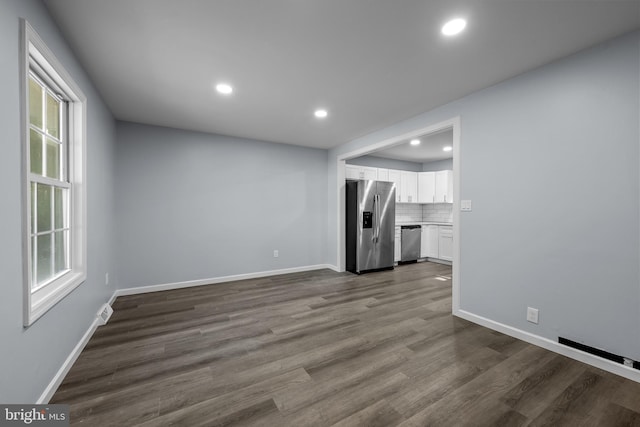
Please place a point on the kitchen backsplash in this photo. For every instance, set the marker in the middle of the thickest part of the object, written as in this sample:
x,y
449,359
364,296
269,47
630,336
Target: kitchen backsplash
x,y
437,212
432,212
408,212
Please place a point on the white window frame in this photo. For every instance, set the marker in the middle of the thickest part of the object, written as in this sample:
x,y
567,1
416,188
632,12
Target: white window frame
x,y
37,56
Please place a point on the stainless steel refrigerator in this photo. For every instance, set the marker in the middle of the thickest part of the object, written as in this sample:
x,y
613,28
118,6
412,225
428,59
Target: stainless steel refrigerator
x,y
370,225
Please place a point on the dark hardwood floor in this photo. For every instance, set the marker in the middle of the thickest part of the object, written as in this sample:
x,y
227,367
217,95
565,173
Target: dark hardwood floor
x,y
328,349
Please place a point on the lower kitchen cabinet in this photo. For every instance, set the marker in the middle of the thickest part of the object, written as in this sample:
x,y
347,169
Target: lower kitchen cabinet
x,y
429,241
445,243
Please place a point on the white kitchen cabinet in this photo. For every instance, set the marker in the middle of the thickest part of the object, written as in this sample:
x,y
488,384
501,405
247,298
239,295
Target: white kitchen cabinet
x,y
383,174
360,172
426,187
395,177
429,242
397,245
445,243
444,186
409,187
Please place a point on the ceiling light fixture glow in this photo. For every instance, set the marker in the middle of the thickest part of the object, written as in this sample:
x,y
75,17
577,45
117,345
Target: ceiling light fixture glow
x,y
224,88
321,114
415,142
447,148
453,27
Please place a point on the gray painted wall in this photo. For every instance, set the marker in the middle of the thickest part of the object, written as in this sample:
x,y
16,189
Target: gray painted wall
x,y
381,162
195,206
29,358
438,165
541,232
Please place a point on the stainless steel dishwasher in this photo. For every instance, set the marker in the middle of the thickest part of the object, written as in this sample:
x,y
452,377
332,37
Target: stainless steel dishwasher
x,y
410,242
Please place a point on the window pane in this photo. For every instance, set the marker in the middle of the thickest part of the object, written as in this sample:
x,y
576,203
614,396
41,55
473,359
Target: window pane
x,y
35,103
35,152
60,253
34,247
44,258
59,203
32,220
53,159
44,207
53,116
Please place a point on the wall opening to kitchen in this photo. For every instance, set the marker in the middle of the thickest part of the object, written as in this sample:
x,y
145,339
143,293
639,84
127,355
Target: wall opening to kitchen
x,y
394,154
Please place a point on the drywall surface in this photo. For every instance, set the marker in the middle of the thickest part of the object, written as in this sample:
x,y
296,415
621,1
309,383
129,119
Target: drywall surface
x,y
541,233
30,357
381,162
438,165
193,206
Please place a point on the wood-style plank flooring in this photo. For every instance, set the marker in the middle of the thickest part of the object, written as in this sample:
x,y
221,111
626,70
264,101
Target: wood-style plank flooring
x,y
328,349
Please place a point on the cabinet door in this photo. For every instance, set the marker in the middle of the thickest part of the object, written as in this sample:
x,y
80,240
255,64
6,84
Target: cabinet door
x,y
396,246
409,183
444,187
445,243
383,174
352,172
424,242
369,173
426,187
360,172
395,177
432,250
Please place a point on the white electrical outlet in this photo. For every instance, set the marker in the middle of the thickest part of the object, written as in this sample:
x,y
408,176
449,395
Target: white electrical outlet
x,y
276,254
532,315
106,278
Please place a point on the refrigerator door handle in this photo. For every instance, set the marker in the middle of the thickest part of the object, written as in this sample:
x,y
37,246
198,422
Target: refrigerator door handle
x,y
377,199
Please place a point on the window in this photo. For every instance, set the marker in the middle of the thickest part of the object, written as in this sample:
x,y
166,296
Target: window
x,y
54,111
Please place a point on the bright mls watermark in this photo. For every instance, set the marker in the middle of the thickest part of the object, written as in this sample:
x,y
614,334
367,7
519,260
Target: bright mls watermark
x,y
34,415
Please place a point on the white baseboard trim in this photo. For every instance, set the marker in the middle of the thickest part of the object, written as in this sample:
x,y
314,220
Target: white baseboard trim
x,y
49,391
215,280
589,359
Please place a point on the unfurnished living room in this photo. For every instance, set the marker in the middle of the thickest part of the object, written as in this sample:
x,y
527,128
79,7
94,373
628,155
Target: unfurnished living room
x,y
320,213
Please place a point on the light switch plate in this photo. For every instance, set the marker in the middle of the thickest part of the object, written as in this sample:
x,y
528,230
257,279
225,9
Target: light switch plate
x,y
465,205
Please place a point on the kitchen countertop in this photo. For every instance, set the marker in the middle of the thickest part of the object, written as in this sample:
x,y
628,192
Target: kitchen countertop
x,y
400,224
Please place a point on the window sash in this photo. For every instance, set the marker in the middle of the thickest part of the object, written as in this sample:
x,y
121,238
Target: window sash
x,y
45,260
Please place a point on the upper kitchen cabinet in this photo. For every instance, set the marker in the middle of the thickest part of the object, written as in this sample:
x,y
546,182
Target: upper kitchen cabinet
x,y
426,187
395,177
444,186
383,174
361,172
409,187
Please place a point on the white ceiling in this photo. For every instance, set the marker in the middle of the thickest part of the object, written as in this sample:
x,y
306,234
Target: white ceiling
x,y
371,63
429,150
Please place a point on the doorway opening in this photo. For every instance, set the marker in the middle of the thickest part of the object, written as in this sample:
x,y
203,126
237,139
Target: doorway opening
x,y
452,126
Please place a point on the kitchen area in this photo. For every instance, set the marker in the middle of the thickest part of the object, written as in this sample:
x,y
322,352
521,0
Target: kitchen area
x,y
421,210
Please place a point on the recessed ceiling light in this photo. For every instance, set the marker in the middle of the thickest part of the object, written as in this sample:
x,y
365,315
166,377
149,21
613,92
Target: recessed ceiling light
x,y
453,27
415,142
224,88
321,114
447,148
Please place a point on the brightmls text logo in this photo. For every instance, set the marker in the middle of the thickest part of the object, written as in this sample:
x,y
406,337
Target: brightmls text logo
x,y
34,415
